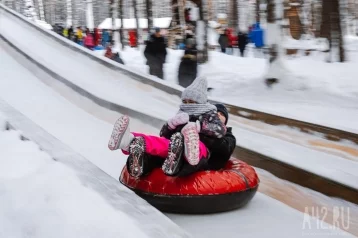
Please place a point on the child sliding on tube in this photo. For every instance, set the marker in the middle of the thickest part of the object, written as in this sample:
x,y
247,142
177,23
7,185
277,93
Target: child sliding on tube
x,y
180,136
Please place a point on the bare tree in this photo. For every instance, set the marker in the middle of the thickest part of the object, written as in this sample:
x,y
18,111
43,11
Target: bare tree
x,y
120,12
337,36
331,28
202,32
111,14
258,11
149,11
136,20
234,17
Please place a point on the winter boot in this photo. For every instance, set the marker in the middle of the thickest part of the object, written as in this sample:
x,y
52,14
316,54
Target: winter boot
x,y
191,143
121,136
173,162
137,159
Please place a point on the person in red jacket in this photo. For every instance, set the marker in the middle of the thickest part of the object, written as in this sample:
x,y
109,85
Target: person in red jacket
x,y
232,40
88,42
132,38
96,37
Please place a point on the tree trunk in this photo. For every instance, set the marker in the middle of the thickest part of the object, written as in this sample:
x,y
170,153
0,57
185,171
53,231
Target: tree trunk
x,y
210,10
202,33
331,28
137,21
336,30
89,15
149,10
271,11
182,16
111,13
313,22
326,20
68,11
257,11
234,14
120,12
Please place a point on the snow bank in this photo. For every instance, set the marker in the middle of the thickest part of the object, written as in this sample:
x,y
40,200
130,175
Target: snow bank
x,y
311,90
2,122
306,43
47,109
131,23
43,198
44,24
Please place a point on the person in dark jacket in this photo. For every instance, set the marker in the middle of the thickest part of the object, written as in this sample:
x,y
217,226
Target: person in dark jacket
x,y
70,33
222,148
242,42
224,41
155,53
188,67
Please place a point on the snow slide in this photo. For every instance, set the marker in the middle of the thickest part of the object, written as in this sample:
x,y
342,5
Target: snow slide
x,y
87,135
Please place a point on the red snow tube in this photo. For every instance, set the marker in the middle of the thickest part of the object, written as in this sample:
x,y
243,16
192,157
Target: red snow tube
x,y
199,193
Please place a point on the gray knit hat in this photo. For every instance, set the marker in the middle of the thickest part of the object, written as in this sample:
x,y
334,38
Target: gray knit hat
x,y
197,91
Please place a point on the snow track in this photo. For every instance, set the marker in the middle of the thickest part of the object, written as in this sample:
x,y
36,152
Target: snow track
x,y
56,192
86,132
88,136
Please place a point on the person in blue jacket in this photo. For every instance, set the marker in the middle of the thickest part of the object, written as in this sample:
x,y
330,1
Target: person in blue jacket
x,y
105,38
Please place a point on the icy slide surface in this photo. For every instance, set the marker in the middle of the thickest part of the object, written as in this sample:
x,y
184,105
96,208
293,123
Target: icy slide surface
x,y
41,197
88,136
119,88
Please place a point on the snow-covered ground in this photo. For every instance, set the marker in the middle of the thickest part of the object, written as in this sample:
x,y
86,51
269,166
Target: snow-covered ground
x,y
43,198
116,87
87,133
314,91
88,136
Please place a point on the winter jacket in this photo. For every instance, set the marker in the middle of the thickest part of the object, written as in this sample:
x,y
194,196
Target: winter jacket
x,y
89,41
232,40
221,150
79,34
105,38
223,41
211,128
155,51
188,68
242,40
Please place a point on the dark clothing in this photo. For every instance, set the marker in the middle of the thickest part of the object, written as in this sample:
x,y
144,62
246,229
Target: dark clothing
x,y
117,58
219,154
221,108
155,53
242,51
70,33
221,151
223,41
188,68
242,42
156,70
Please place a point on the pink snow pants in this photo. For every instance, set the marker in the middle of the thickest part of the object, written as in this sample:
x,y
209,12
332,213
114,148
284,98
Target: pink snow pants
x,y
158,146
